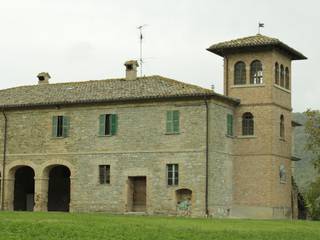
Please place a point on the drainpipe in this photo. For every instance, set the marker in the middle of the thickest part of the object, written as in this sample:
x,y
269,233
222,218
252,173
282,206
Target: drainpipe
x,y
4,155
207,157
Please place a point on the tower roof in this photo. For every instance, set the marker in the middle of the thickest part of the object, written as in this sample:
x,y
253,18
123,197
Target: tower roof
x,y
254,42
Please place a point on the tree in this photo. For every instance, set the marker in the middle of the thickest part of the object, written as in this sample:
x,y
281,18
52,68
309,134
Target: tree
x,y
313,199
312,129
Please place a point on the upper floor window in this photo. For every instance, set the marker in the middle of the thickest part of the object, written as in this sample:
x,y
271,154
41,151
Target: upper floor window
x,y
230,125
240,73
282,174
281,126
247,124
287,78
281,76
173,174
60,126
108,124
173,122
256,73
104,174
276,73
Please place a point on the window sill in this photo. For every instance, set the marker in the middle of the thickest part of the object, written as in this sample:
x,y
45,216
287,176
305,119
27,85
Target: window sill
x,y
230,136
247,137
281,88
283,182
173,133
106,135
248,85
58,137
282,139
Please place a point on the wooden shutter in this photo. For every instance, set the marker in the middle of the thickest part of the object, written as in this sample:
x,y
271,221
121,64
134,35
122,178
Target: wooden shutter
x,y
114,124
54,126
66,126
102,175
102,125
169,124
230,124
176,121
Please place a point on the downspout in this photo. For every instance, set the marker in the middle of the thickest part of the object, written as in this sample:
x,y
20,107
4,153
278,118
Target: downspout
x,y
4,156
207,158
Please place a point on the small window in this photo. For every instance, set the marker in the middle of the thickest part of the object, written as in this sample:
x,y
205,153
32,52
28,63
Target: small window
x,y
173,174
240,73
282,174
108,124
173,122
256,73
282,126
60,126
247,124
287,78
276,73
104,174
281,76
230,125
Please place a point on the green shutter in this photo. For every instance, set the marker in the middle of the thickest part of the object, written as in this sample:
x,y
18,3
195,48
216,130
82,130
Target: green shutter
x,y
54,126
169,124
102,125
114,124
176,121
66,126
230,124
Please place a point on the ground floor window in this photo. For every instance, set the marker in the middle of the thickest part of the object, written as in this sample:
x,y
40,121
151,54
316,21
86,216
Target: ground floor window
x,y
104,174
173,174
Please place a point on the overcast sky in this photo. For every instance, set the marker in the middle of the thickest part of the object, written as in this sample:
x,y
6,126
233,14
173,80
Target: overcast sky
x,y
77,40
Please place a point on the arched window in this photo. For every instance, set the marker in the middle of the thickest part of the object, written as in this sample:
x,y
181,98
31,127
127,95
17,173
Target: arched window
x,y
239,73
276,73
281,76
256,74
281,126
247,124
287,78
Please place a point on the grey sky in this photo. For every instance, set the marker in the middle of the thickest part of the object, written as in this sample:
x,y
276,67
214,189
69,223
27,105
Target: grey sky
x,y
91,39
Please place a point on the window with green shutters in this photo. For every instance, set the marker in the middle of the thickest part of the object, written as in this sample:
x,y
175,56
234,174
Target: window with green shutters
x,y
108,124
60,126
173,121
230,125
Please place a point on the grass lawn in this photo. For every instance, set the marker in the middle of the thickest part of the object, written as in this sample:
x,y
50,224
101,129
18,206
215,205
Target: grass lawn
x,y
47,226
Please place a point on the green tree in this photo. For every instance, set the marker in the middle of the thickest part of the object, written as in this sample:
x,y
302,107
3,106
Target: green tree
x,y
313,200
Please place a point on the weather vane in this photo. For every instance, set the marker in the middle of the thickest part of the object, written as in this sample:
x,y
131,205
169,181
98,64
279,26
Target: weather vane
x,y
260,25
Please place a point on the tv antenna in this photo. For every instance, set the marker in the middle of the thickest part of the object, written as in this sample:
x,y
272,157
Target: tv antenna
x,y
141,40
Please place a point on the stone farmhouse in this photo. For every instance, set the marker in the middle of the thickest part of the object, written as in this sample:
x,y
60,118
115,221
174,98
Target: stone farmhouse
x,y
155,145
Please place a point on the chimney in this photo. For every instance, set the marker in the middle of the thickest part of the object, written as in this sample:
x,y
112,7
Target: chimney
x,y
131,69
43,78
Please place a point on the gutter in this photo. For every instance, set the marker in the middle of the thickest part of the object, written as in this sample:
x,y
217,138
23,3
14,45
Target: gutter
x,y
4,156
207,158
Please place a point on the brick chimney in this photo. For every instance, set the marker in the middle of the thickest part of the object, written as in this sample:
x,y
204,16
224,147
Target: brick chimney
x,y
43,78
131,69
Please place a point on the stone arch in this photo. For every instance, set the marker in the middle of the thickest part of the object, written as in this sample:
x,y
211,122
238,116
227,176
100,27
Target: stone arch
x,y
184,201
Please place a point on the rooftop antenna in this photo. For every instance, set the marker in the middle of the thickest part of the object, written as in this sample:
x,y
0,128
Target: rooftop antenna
x,y
260,25
141,39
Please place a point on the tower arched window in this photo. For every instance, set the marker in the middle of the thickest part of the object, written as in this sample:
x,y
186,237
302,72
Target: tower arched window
x,y
256,73
287,78
247,124
240,73
276,73
281,126
281,76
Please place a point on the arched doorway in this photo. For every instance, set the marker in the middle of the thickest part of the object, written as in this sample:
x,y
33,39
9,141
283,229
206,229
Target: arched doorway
x,y
23,189
59,189
184,201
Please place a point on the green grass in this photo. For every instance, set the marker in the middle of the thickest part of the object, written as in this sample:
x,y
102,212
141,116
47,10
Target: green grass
x,y
47,226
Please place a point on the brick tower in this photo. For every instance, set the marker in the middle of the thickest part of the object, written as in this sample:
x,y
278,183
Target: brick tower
x,y
257,70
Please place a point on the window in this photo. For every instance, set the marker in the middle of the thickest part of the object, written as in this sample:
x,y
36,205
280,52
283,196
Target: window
x,y
104,174
173,174
108,124
282,174
247,124
173,121
281,76
230,125
276,73
287,78
239,73
60,126
281,126
256,74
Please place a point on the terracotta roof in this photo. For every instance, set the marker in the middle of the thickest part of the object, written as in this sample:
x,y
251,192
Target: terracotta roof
x,y
97,91
256,41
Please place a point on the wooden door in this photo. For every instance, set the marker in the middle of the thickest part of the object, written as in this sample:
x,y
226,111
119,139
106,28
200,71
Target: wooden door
x,y
139,194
